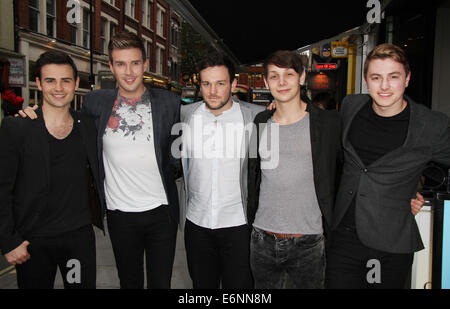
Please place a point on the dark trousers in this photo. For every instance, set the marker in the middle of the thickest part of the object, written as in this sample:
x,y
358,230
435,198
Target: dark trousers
x,y
352,265
275,260
151,232
218,256
73,252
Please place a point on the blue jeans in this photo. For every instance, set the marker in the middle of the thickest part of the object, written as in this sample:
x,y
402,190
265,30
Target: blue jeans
x,y
274,260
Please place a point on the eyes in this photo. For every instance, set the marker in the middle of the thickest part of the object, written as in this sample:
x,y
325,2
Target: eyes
x,y
123,64
207,84
275,76
378,78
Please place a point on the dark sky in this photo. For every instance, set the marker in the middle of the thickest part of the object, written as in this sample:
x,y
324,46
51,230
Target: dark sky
x,y
252,29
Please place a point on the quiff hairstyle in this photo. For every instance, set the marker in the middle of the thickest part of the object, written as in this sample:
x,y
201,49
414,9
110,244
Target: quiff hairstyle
x,y
284,59
387,51
123,40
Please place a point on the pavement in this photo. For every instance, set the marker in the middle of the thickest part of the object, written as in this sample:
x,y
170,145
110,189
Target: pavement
x,y
107,277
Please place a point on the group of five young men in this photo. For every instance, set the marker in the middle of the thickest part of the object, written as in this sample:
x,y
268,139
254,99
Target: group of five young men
x,y
262,193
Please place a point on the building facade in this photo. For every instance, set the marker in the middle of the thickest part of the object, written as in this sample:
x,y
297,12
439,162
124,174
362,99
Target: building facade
x,y
68,25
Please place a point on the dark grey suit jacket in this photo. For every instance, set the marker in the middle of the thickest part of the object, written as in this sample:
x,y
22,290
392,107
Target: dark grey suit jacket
x,y
165,113
383,189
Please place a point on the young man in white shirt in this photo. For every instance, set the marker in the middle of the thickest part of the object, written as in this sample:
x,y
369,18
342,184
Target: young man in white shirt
x,y
215,175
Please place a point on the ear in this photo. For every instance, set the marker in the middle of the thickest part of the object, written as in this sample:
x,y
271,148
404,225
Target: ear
x,y
38,83
77,83
111,67
303,78
408,78
233,84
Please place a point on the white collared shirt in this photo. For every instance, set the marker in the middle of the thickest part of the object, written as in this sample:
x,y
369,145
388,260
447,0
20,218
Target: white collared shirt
x,y
214,168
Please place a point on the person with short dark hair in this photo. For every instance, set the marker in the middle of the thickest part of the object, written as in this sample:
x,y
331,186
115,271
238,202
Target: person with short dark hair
x,y
137,166
214,195
292,183
388,139
48,168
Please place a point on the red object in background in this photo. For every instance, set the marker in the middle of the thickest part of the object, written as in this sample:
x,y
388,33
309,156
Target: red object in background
x,y
326,66
11,97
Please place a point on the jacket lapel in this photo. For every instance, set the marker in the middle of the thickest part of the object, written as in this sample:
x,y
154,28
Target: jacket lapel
x,y
347,123
42,139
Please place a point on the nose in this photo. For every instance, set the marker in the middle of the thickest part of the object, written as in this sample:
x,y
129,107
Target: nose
x,y
128,69
282,80
213,89
59,85
385,84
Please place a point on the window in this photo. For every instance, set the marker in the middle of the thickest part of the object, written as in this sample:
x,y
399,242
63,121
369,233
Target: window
x,y
33,8
130,7
160,22
147,13
86,28
112,2
51,18
112,29
103,34
174,33
159,60
74,33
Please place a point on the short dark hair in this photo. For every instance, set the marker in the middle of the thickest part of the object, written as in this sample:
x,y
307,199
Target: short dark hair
x,y
217,59
55,57
123,40
284,59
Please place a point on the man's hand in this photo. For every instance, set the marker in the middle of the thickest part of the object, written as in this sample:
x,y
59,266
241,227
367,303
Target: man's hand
x,y
272,105
19,255
29,112
417,203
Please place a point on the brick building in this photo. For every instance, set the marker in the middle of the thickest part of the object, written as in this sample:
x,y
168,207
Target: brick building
x,y
66,25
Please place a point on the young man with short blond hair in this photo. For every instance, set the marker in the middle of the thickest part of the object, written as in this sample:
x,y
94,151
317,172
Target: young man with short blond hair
x,y
388,139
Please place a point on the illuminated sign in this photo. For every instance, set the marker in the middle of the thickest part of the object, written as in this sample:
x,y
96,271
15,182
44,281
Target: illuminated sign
x,y
326,66
339,49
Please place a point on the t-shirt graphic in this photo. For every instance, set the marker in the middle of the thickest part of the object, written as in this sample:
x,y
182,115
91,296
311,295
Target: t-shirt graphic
x,y
131,119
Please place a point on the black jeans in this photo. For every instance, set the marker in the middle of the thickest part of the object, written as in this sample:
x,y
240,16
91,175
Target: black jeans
x,y
218,256
352,265
151,232
273,260
73,252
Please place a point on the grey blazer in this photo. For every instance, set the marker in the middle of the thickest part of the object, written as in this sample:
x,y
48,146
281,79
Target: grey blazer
x,y
249,111
383,189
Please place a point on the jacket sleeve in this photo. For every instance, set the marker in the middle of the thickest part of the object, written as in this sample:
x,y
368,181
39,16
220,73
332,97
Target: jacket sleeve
x,y
9,163
175,160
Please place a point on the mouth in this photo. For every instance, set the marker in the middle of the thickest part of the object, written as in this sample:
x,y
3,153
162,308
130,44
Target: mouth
x,y
59,96
385,95
130,81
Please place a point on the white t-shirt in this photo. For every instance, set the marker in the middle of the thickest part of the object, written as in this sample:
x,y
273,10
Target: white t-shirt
x,y
132,179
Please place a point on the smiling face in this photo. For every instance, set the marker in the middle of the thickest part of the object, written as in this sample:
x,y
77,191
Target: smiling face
x,y
57,84
217,88
387,80
284,83
128,67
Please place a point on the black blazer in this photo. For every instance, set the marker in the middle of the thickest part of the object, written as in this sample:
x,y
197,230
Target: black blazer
x,y
25,172
165,113
383,189
325,132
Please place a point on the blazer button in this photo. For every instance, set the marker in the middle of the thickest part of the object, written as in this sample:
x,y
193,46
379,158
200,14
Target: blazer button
x,y
350,192
365,170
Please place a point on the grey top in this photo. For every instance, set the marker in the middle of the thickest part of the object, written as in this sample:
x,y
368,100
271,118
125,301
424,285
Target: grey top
x,y
287,201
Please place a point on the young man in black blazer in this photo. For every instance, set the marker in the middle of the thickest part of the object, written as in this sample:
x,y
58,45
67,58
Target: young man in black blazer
x,y
291,187
47,167
138,169
388,139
